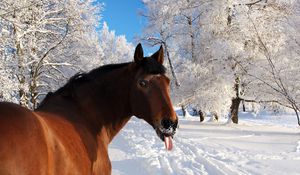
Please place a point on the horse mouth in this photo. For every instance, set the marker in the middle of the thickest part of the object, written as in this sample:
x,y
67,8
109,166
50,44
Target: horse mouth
x,y
162,133
166,135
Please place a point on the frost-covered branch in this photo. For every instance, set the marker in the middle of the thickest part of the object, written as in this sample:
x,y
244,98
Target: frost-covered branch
x,y
40,62
19,8
44,39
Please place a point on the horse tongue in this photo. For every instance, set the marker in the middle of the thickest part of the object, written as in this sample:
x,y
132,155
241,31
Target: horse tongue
x,y
168,143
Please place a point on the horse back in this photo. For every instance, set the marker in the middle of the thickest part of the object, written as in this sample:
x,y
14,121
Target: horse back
x,y
23,148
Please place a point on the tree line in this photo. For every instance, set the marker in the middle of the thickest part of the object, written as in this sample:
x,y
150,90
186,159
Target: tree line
x,y
219,53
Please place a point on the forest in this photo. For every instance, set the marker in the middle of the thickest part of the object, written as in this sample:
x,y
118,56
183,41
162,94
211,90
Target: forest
x,y
223,56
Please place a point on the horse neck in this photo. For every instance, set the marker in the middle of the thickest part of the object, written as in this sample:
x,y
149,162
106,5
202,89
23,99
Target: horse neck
x,y
102,105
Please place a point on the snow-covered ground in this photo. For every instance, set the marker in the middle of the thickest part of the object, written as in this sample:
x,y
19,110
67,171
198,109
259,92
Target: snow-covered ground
x,y
263,144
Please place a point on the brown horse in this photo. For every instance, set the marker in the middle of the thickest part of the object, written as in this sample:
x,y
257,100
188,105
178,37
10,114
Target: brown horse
x,y
70,131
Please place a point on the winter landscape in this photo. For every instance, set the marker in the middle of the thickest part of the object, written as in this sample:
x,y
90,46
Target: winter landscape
x,y
262,144
233,67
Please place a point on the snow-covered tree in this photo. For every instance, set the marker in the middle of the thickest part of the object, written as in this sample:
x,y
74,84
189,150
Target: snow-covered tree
x,y
115,48
275,70
177,25
47,41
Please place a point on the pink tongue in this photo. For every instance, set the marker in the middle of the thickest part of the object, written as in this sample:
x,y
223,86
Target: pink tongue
x,y
168,143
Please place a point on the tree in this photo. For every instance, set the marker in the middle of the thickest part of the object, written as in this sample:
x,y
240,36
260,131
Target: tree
x,y
46,41
276,71
177,25
115,48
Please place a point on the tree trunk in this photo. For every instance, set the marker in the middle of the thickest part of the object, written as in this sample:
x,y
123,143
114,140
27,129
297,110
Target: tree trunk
x,y
201,115
33,92
183,111
33,89
192,38
297,117
234,109
297,114
243,103
21,70
235,102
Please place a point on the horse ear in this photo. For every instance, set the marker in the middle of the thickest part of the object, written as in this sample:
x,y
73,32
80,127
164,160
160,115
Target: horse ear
x,y
139,53
159,55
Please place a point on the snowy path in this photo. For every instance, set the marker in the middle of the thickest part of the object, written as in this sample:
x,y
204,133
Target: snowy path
x,y
207,148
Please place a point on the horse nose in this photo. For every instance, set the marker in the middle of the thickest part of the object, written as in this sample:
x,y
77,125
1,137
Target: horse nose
x,y
167,123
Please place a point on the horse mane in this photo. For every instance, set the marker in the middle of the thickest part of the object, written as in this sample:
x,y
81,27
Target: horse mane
x,y
149,65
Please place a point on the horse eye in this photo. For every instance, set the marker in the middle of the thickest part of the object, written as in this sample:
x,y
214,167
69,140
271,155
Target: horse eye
x,y
143,83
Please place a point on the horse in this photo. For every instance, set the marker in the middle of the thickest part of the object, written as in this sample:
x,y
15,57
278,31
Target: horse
x,y
71,129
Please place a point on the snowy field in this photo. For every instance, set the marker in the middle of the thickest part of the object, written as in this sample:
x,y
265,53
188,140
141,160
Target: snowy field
x,y
263,144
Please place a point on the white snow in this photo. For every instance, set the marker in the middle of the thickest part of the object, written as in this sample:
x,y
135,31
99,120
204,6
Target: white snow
x,y
263,144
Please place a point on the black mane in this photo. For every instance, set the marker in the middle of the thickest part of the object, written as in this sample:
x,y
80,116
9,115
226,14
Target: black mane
x,y
105,69
150,65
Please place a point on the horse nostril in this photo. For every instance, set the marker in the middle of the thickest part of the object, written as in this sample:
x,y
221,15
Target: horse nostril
x,y
166,123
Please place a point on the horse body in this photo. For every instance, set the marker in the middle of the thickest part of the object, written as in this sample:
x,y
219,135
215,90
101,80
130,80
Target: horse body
x,y
20,131
43,143
70,131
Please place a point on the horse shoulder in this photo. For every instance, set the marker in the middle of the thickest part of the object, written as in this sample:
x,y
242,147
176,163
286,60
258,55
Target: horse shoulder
x,y
80,150
67,152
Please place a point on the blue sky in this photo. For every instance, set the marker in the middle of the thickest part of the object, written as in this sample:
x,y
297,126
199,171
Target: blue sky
x,y
122,17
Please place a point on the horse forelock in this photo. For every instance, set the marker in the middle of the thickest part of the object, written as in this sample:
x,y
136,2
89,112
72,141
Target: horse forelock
x,y
151,66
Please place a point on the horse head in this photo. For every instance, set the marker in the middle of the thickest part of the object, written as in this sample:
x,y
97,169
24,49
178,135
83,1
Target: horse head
x,y
150,95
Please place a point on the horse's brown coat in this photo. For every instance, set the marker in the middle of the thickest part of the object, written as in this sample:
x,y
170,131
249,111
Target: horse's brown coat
x,y
71,130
